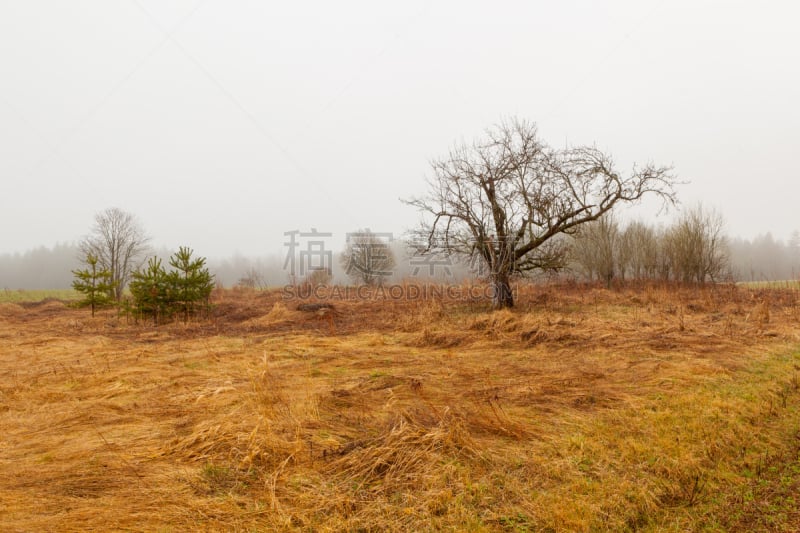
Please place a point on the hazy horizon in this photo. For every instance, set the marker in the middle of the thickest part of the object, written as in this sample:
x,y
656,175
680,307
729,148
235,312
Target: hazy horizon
x,y
224,125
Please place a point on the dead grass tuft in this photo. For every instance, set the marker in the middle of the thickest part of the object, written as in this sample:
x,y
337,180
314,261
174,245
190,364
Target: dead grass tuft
x,y
279,314
412,444
496,324
426,313
438,338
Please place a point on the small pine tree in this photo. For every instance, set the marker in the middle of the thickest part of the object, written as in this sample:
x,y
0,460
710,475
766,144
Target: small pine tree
x,y
151,291
96,285
191,282
161,294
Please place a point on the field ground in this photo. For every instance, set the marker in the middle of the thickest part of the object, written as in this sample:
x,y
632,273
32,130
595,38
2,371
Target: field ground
x,y
654,409
788,284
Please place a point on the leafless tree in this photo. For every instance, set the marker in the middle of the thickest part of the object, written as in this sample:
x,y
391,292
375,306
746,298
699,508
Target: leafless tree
x,y
596,248
119,242
367,258
504,199
639,246
697,247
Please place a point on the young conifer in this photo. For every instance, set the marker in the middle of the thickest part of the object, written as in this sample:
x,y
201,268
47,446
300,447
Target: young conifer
x,y
190,281
151,291
94,284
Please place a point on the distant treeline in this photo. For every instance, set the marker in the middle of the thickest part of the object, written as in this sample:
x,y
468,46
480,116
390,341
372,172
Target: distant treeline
x,y
763,258
692,249
40,268
51,268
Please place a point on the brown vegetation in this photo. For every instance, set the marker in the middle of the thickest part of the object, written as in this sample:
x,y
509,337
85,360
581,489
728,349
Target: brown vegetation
x,y
655,408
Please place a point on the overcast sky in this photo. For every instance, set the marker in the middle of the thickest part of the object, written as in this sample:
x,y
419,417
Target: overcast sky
x,y
224,124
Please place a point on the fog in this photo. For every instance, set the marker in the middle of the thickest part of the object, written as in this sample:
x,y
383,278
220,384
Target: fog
x,y
762,258
51,268
224,125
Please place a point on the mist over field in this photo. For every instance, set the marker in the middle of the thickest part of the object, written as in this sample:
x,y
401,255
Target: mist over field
x,y
763,258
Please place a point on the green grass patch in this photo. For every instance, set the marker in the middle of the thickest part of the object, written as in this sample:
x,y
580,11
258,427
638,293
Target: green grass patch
x,y
728,451
36,295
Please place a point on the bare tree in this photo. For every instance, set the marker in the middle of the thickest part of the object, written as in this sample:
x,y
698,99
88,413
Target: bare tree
x,y
639,249
506,197
367,258
697,247
596,248
119,243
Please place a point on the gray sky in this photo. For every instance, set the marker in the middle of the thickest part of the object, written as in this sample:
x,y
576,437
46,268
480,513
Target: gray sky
x,y
224,124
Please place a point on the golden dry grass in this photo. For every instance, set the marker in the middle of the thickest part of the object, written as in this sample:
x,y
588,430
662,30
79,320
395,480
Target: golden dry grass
x,y
659,408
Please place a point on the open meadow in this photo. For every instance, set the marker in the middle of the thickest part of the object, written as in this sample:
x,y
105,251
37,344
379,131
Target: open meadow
x,y
654,408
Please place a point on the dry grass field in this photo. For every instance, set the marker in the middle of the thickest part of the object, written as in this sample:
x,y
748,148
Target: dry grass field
x,y
659,408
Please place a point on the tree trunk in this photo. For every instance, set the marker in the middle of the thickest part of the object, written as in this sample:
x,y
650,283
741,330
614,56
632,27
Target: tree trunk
x,y
501,292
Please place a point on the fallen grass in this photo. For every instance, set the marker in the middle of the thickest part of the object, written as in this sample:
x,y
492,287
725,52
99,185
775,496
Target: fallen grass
x,y
656,409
